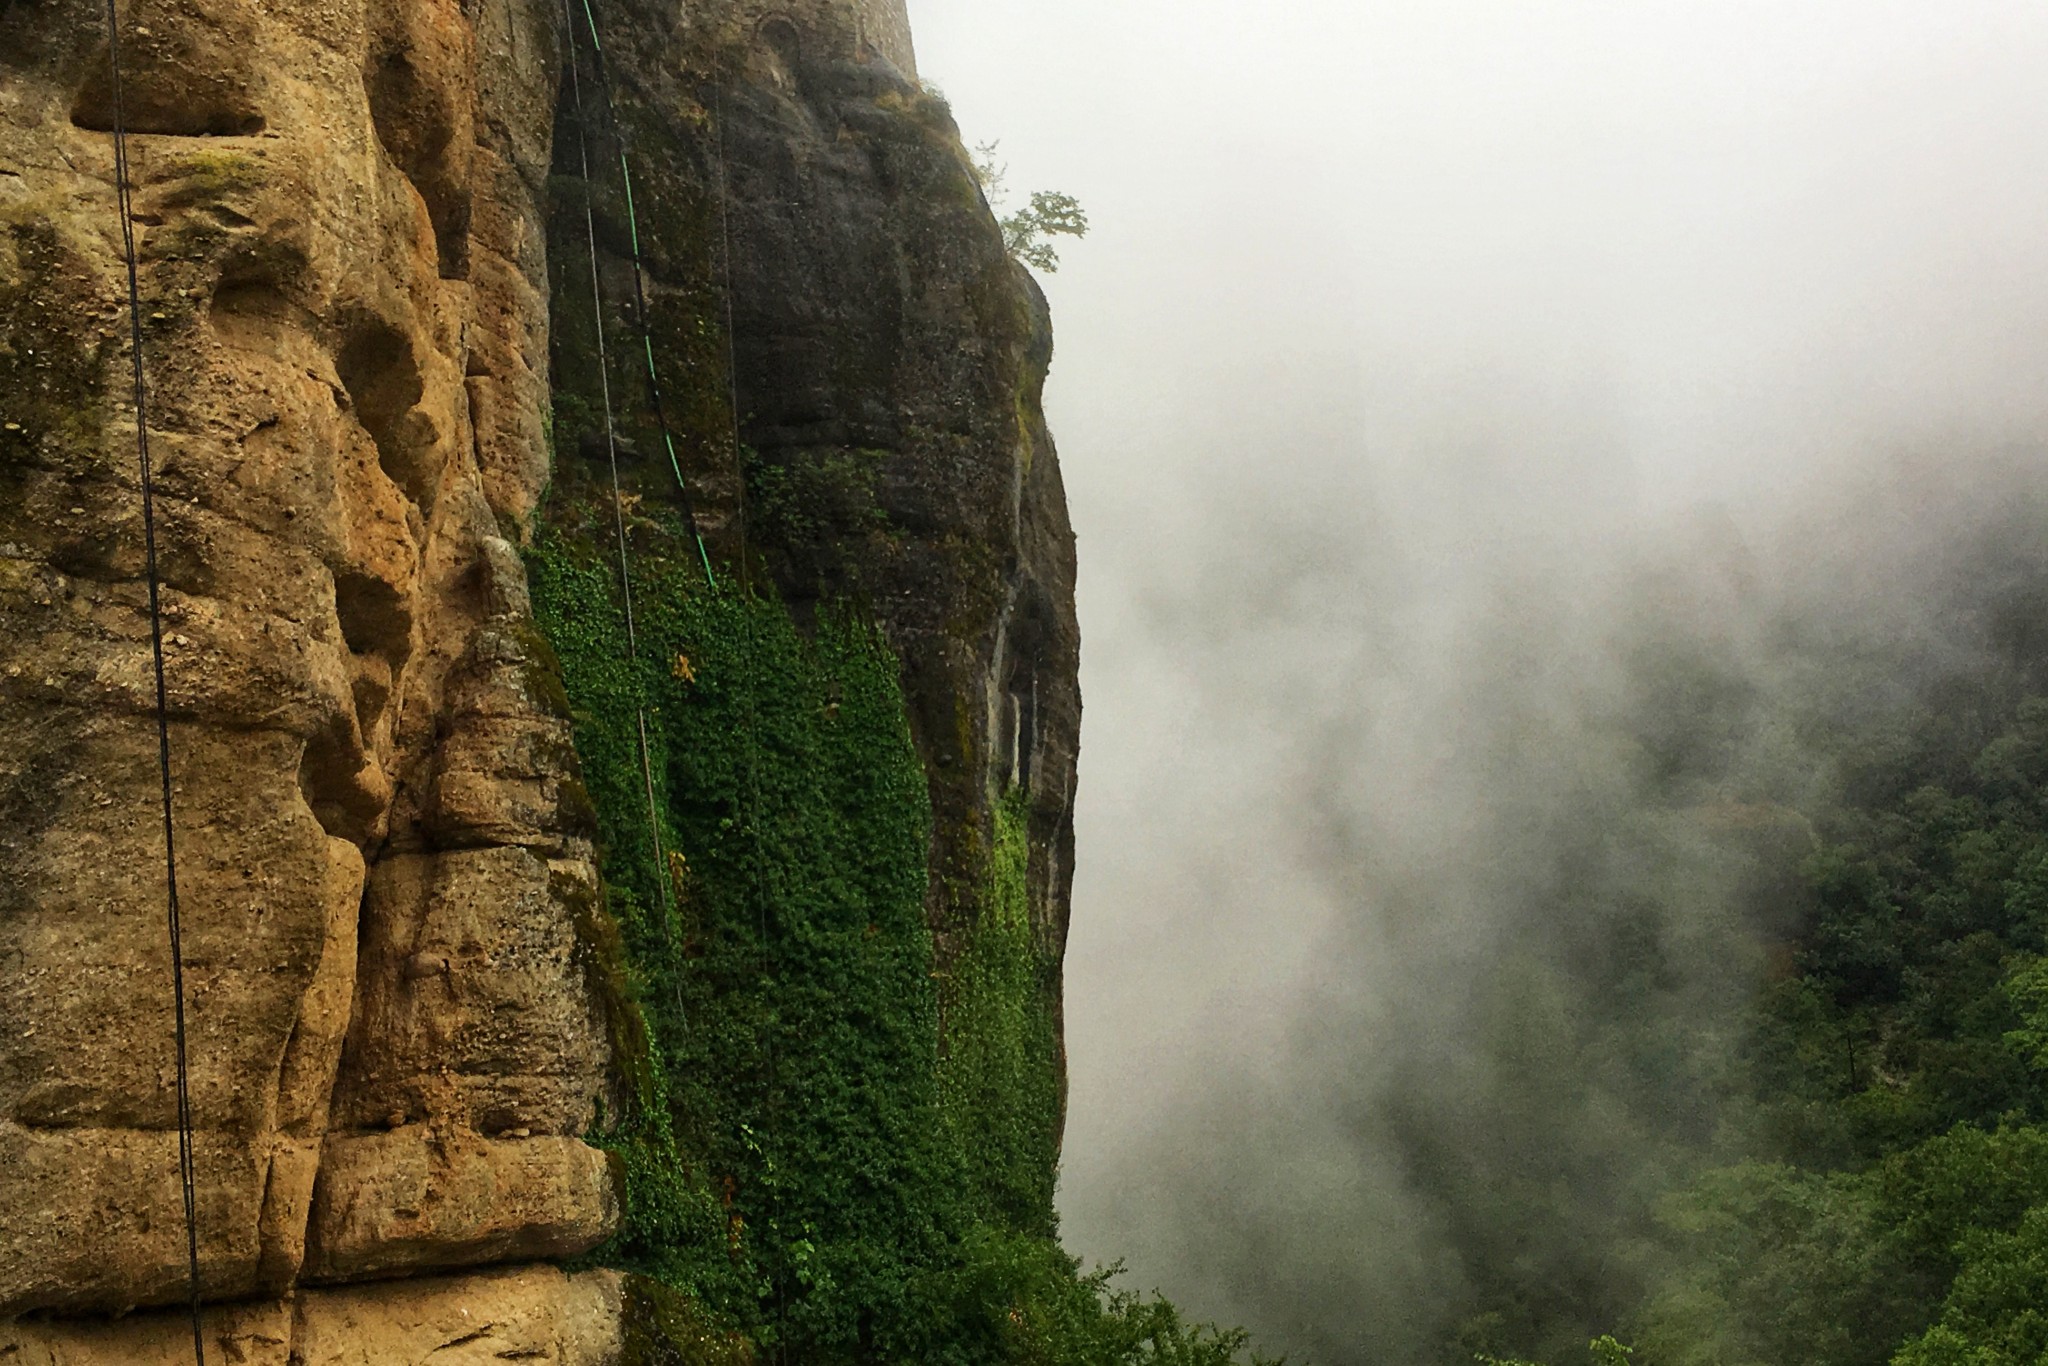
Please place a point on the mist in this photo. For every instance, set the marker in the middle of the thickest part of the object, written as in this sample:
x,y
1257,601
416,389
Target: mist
x,y
1435,376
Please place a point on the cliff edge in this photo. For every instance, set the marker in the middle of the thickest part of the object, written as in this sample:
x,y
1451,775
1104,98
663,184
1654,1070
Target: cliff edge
x,y
557,988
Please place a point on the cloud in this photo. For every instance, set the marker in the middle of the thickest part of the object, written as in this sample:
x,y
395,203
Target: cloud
x,y
1449,395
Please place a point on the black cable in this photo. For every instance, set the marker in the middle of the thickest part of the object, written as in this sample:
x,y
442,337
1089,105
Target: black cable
x,y
187,1172
732,386
611,438
732,363
746,596
654,392
604,373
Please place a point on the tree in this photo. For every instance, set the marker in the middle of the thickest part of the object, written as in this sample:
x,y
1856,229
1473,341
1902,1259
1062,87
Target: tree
x,y
1029,231
1606,1350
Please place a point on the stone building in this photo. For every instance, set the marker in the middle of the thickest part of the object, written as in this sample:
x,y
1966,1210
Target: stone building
x,y
869,27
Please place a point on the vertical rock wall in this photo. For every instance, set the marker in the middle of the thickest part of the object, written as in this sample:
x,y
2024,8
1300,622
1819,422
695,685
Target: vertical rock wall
x,y
400,1032
888,360
812,231
881,325
394,1054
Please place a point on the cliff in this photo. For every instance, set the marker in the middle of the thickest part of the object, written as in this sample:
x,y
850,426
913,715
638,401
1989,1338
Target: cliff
x,y
503,1043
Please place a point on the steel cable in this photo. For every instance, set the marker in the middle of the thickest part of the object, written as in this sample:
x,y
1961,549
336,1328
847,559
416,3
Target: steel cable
x,y
187,1166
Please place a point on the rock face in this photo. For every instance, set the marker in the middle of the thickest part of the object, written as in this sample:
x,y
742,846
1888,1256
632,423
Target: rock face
x,y
889,360
394,1055
903,339
399,1041
532,1314
860,29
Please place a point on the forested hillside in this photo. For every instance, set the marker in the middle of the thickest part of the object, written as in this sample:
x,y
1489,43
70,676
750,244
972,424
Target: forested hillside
x,y
1769,1059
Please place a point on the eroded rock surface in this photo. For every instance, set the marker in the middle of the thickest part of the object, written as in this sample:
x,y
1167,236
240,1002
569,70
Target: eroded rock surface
x,y
394,1056
398,1050
533,1314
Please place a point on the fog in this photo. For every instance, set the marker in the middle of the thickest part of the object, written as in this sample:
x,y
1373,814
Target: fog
x,y
1424,358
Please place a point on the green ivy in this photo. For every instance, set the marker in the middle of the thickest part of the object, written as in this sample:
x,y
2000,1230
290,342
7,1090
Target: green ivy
x,y
800,1163
836,1143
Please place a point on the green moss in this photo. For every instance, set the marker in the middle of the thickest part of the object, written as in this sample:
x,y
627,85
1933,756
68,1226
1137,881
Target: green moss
x,y
1001,1070
542,672
578,811
978,590
211,176
663,1327
815,517
800,1164
781,959
607,977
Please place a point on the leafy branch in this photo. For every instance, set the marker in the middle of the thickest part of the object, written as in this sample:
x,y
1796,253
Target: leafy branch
x,y
1030,230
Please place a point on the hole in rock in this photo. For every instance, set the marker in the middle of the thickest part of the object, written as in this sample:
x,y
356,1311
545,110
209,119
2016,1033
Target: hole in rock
x,y
167,90
778,53
377,628
333,778
415,123
374,619
382,378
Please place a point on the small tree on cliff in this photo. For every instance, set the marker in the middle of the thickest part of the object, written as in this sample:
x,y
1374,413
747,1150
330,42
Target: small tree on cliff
x,y
1029,231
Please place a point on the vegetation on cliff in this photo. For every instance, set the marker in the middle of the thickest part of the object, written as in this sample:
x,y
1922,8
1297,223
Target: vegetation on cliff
x,y
834,1002
1028,231
810,1156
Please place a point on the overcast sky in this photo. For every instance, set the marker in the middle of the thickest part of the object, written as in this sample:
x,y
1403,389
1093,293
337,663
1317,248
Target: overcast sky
x,y
1378,286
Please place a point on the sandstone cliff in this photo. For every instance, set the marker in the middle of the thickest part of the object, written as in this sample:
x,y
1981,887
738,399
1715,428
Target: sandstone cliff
x,y
460,1017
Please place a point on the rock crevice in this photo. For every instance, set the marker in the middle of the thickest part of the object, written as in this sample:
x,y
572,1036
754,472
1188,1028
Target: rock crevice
x,y
395,1060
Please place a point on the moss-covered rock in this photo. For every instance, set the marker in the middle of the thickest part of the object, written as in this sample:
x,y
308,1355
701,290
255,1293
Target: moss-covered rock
x,y
838,859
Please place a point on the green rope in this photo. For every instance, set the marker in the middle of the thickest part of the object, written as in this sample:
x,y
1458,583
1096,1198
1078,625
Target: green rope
x,y
751,643
654,391
654,832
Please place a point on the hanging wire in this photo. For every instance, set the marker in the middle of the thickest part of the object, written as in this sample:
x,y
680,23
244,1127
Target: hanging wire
x,y
654,393
753,721
187,1172
732,364
611,439
746,603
